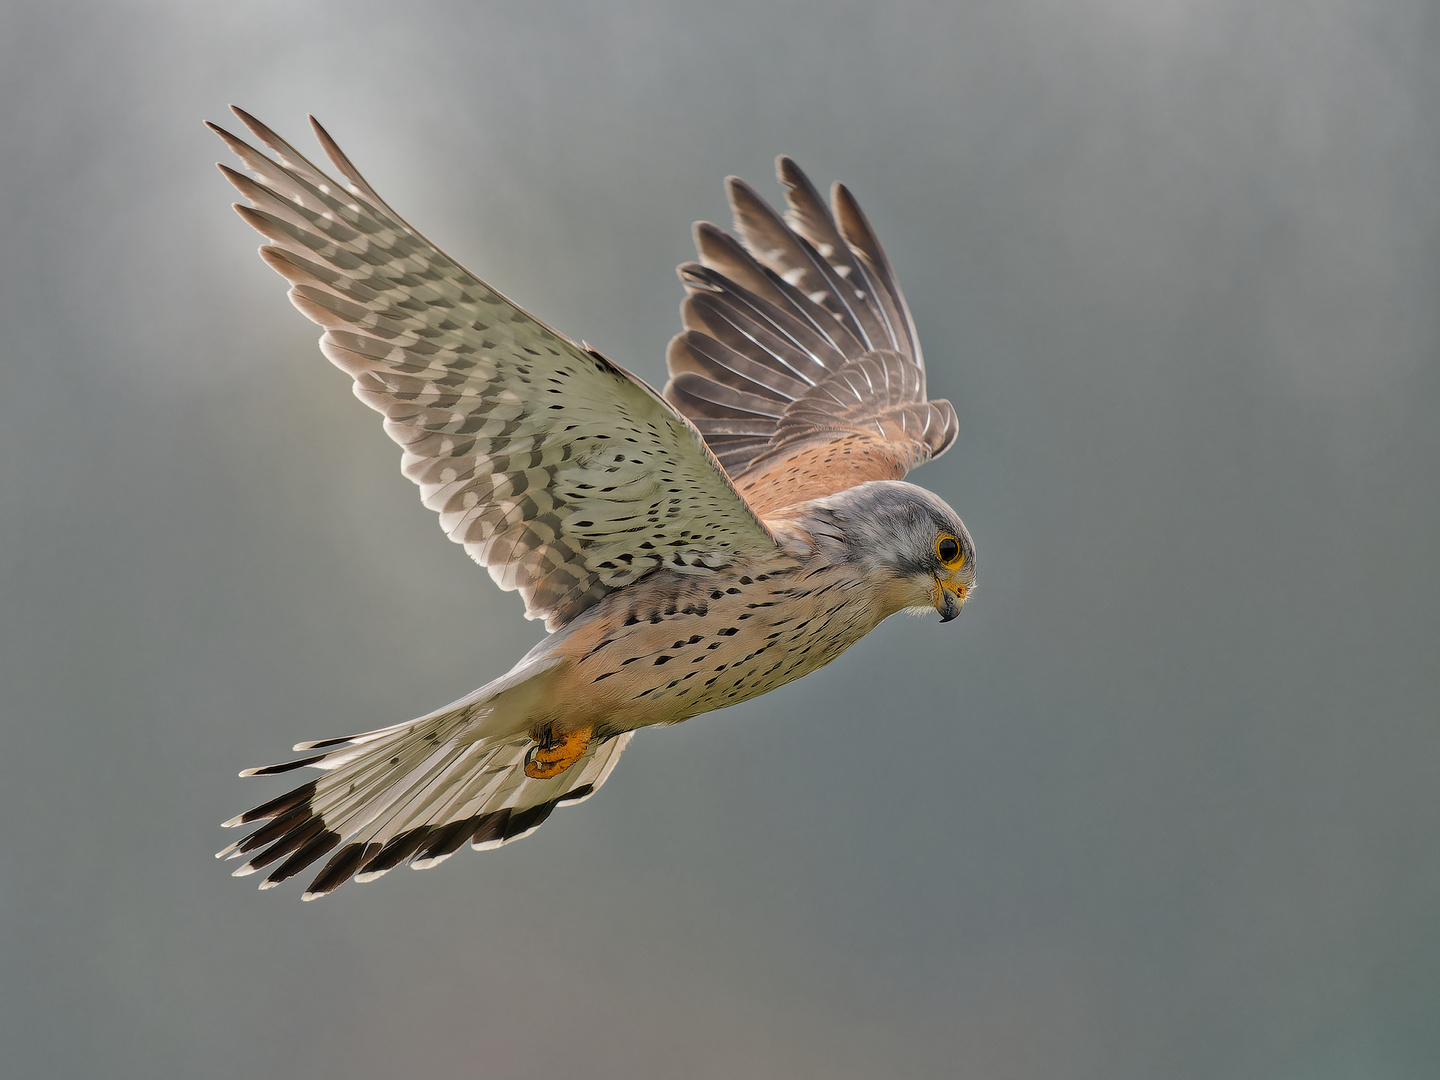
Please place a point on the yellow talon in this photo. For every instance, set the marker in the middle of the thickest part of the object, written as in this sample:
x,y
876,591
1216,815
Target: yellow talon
x,y
552,754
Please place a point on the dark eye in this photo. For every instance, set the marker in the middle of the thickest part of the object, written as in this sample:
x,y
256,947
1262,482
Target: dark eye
x,y
948,548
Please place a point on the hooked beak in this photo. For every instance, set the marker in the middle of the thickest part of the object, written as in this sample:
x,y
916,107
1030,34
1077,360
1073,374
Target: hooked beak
x,y
949,599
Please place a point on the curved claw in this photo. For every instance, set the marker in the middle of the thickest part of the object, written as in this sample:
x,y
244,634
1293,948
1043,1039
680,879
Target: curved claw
x,y
552,754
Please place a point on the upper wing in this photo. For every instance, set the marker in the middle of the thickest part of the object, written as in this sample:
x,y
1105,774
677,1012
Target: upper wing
x,y
799,362
558,470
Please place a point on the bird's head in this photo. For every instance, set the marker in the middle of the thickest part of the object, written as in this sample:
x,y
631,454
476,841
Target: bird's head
x,y
903,537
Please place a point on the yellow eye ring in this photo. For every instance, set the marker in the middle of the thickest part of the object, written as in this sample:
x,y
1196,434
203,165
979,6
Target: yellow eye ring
x,y
949,552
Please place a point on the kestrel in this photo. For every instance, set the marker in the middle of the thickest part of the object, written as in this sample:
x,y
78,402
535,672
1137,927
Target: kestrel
x,y
687,550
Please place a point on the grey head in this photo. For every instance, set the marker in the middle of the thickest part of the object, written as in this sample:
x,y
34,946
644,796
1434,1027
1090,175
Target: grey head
x,y
901,535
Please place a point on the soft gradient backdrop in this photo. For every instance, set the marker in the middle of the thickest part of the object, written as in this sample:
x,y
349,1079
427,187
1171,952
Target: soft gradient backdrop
x,y
1162,804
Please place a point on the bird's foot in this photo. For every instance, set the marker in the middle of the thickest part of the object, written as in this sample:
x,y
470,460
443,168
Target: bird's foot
x,y
554,752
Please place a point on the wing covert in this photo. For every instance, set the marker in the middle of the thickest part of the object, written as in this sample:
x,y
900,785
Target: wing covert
x,y
559,471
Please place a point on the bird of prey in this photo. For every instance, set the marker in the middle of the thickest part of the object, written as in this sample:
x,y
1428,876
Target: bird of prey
x,y
687,550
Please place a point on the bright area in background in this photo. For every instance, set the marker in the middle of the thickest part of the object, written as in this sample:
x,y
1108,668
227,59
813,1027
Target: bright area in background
x,y
1162,803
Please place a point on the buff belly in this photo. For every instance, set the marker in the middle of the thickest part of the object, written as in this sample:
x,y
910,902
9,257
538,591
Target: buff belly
x,y
689,644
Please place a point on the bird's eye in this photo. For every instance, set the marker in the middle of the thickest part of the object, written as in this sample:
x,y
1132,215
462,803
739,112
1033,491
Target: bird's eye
x,y
948,548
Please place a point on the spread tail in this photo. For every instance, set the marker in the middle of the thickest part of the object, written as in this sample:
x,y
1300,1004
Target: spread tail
x,y
415,792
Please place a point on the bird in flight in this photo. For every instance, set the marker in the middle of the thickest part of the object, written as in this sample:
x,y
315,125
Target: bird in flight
x,y
688,550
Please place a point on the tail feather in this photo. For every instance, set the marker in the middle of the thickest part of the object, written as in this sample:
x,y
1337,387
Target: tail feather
x,y
416,792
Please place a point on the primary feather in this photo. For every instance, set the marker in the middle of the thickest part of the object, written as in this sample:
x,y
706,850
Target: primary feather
x,y
538,454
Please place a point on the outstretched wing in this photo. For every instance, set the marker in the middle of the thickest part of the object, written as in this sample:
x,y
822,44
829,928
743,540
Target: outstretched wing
x,y
799,361
558,470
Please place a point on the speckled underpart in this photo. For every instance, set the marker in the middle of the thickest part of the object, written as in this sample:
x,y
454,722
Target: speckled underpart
x,y
684,647
687,551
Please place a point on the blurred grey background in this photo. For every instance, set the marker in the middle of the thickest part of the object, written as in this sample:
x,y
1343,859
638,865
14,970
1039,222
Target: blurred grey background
x,y
1163,803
